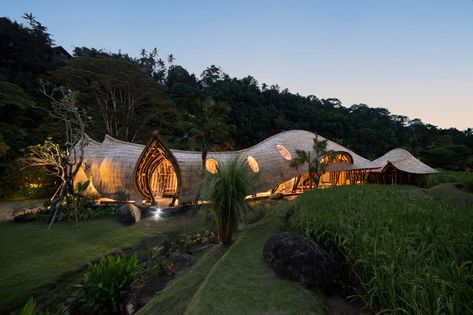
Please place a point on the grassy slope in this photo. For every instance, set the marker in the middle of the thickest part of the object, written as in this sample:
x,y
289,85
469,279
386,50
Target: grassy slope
x,y
32,257
410,252
175,297
448,177
448,192
442,187
241,283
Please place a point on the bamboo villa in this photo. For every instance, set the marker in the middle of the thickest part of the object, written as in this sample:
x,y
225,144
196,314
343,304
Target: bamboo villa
x,y
152,172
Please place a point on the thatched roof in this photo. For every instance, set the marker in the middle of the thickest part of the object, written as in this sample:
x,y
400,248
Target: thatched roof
x,y
115,165
273,168
403,161
110,166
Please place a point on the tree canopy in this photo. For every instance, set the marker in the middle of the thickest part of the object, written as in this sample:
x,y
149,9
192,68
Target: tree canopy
x,y
128,97
122,98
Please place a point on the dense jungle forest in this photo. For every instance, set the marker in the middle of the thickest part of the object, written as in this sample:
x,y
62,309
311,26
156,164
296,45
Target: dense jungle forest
x,y
129,97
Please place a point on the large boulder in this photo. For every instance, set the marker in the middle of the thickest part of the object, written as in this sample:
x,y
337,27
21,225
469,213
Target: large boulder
x,y
129,214
296,258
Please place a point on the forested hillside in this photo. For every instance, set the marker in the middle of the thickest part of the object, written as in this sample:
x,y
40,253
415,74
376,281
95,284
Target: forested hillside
x,y
128,97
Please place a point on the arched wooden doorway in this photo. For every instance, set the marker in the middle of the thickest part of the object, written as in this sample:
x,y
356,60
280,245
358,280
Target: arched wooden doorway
x,y
157,173
164,181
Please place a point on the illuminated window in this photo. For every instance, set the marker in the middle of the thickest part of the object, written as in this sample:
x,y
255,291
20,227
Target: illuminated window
x,y
338,157
253,164
211,165
284,152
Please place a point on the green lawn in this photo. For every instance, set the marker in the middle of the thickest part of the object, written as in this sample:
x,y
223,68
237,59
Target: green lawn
x,y
241,283
32,257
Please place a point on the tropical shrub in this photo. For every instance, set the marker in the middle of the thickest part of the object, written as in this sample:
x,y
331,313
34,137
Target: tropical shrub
x,y
29,308
108,283
226,190
408,254
204,237
158,261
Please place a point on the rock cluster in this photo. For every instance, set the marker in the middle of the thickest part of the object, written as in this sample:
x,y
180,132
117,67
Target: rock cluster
x,y
296,258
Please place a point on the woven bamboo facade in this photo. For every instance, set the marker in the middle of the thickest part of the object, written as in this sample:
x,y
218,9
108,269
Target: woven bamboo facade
x,y
110,167
114,165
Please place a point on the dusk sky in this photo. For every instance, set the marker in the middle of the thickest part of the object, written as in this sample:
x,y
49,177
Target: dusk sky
x,y
414,57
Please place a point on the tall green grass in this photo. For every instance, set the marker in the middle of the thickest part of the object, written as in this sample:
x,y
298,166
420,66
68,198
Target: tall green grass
x,y
409,253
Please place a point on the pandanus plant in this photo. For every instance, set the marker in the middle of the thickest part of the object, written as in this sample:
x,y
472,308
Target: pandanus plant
x,y
226,190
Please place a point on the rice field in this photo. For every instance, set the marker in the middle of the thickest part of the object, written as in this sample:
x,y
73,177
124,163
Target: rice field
x,y
408,253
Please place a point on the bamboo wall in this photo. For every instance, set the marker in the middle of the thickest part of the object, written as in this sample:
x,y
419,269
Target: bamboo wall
x,y
115,166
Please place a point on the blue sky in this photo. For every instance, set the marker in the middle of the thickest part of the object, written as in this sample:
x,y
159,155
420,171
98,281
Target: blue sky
x,y
414,57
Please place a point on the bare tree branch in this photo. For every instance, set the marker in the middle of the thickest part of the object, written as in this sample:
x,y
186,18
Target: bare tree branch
x,y
61,161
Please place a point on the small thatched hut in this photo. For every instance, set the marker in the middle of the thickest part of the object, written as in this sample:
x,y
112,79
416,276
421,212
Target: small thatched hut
x,y
398,166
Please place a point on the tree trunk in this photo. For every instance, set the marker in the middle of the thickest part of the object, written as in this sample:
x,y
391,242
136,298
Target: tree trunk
x,y
317,180
66,189
55,204
225,237
204,159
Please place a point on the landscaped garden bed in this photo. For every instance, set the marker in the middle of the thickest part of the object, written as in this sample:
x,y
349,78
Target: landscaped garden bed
x,y
48,264
165,248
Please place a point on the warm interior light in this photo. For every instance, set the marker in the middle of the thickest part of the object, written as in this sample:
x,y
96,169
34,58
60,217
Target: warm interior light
x,y
253,164
211,165
284,152
163,180
339,157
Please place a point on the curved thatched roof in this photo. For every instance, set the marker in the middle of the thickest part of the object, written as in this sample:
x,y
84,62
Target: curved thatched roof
x,y
115,165
403,161
273,168
110,166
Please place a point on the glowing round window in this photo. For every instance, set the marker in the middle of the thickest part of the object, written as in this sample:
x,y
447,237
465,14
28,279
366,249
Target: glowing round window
x,y
284,152
253,164
211,165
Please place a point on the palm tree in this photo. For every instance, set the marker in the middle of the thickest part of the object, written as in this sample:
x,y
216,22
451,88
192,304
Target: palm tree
x,y
226,190
206,127
316,160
